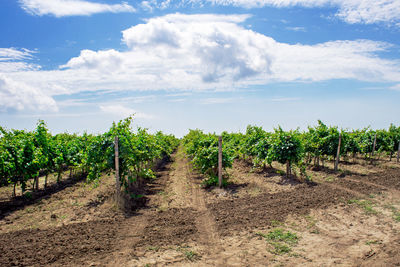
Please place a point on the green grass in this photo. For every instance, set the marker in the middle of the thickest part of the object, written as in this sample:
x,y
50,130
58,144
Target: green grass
x,y
280,240
396,214
280,235
280,248
190,255
371,242
367,205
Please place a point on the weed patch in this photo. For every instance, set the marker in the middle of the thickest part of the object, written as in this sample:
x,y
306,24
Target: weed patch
x,y
280,240
373,242
367,205
190,255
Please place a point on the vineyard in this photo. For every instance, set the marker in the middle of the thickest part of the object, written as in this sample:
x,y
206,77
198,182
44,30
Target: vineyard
x,y
295,149
25,155
323,196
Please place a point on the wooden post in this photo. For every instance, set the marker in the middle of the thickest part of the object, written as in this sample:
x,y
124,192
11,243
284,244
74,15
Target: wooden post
x,y
220,161
373,148
398,153
338,153
287,169
117,182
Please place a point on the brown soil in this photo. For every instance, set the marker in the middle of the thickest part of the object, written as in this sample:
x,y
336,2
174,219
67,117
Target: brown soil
x,y
345,219
251,212
65,245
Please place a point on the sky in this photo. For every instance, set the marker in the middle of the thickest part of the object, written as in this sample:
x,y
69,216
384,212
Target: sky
x,y
214,65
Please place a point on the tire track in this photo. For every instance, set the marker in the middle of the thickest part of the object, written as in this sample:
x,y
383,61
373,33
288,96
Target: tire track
x,y
205,221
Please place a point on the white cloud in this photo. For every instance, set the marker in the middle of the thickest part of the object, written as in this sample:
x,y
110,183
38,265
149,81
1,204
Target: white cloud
x,y
262,3
208,42
147,5
15,94
334,60
351,11
12,60
123,112
369,11
212,51
209,52
106,60
150,5
10,66
20,96
62,8
7,54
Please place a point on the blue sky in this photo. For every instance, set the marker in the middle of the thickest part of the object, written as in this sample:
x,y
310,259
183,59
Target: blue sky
x,y
209,64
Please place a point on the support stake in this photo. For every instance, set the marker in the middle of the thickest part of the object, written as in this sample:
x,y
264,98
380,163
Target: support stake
x,y
117,181
373,148
220,161
338,152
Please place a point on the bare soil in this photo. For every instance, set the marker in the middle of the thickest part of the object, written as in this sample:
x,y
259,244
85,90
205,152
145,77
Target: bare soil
x,y
349,218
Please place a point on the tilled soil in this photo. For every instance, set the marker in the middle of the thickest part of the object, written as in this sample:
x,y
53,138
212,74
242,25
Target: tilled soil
x,y
358,187
79,244
69,244
252,212
172,227
388,178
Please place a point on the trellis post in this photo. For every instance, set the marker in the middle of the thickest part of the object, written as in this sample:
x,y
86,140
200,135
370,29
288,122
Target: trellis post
x,y
220,161
117,181
338,152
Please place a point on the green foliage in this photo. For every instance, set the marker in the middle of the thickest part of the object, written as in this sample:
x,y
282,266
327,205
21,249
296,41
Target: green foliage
x,y
280,240
137,152
203,149
322,140
286,147
24,154
256,145
213,180
350,143
279,234
292,148
367,205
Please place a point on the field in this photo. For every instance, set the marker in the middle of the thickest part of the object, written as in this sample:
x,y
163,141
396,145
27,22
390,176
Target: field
x,y
261,218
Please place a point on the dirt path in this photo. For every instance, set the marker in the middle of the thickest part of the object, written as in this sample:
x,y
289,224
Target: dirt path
x,y
183,196
131,230
184,190
206,225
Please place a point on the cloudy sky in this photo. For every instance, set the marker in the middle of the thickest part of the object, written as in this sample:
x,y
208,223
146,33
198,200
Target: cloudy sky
x,y
209,64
